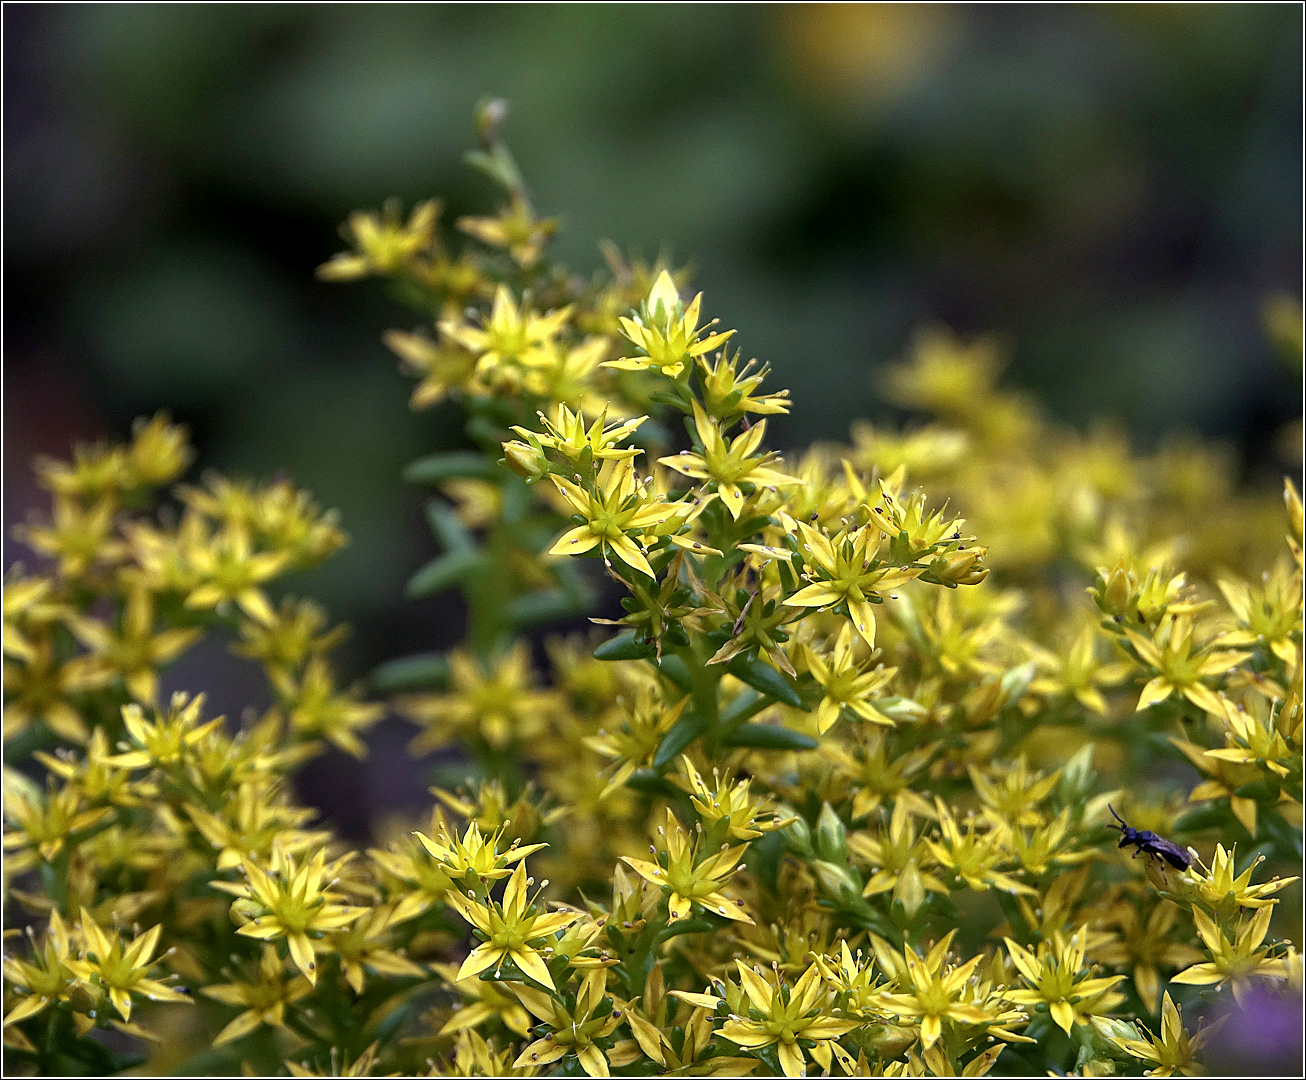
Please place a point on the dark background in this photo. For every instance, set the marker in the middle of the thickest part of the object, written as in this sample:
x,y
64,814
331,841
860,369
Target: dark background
x,y
1115,189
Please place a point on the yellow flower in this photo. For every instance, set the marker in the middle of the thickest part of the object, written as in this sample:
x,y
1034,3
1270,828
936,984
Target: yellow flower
x,y
932,993
1174,1052
134,652
854,983
973,855
632,737
361,1065
41,824
265,999
1011,793
474,854
1046,845
171,738
78,536
30,606
289,900
255,818
1269,613
728,808
365,945
442,368
295,634
848,684
578,444
844,569
45,977
228,569
474,1056
781,1015
617,511
1077,671
515,930
498,704
1057,979
1235,961
1223,892
382,243
754,618
1144,945
1223,779
1253,737
96,775
946,375
898,860
572,1030
312,707
666,332
38,688
159,452
726,467
515,229
915,535
925,453
484,1000
689,879
563,374
1126,600
121,971
408,872
486,803
728,388
879,770
288,521
1180,665
96,470
510,339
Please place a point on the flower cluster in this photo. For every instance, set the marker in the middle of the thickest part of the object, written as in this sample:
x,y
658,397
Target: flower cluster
x,y
831,793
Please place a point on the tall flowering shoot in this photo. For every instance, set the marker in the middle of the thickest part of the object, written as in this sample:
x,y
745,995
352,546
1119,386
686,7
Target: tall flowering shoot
x,y
972,746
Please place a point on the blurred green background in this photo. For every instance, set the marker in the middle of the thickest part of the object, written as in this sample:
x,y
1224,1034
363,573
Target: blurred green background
x,y
1114,189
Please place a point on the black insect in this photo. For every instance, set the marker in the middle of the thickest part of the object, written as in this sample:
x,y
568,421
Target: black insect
x,y
1146,841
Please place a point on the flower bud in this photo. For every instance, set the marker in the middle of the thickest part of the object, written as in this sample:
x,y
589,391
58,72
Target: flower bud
x,y
526,461
837,881
1295,515
888,1040
798,838
910,889
1117,592
831,838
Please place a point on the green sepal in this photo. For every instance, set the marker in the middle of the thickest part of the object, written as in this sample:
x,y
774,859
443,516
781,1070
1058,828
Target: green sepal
x,y
545,605
1261,790
422,671
647,780
675,669
661,397
444,572
625,646
770,737
687,926
448,529
747,705
1207,816
685,730
762,677
436,468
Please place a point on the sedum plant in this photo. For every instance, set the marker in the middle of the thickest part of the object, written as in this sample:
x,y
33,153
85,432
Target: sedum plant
x,y
832,794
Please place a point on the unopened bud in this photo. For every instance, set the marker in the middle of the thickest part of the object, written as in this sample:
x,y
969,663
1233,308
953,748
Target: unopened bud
x,y
526,461
831,837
